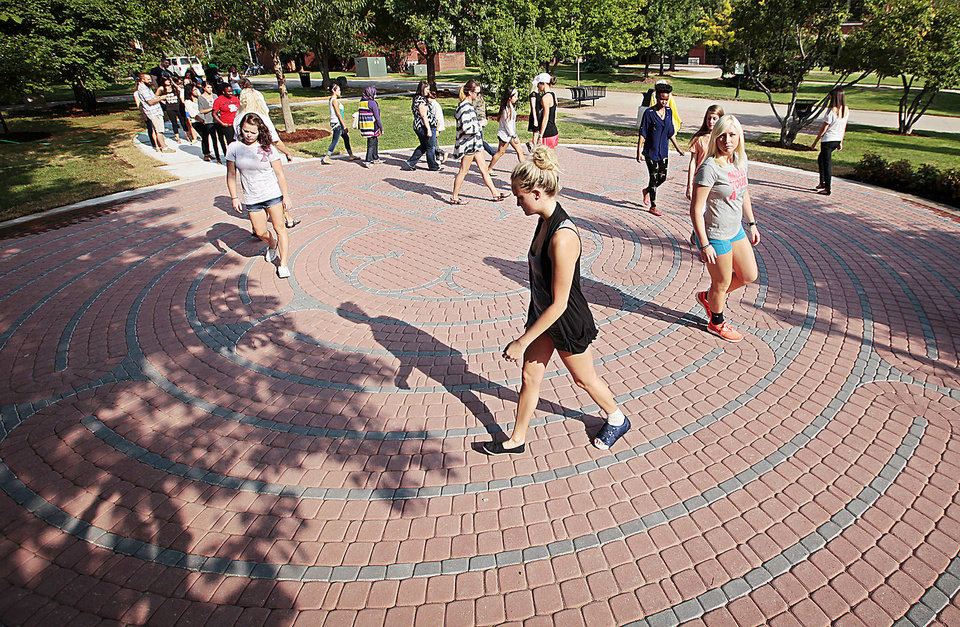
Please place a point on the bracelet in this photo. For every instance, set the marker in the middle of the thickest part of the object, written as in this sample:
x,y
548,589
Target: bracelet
x,y
751,224
708,244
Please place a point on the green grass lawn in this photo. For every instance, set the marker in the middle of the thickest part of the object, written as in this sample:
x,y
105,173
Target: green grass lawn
x,y
868,98
84,157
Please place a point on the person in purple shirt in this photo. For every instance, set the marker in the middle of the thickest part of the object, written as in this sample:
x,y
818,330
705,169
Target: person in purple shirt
x,y
656,129
369,121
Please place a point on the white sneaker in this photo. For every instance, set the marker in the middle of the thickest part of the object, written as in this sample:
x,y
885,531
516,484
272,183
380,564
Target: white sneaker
x,y
270,254
283,272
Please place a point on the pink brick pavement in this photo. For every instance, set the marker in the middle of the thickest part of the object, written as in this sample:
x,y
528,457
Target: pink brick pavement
x,y
188,439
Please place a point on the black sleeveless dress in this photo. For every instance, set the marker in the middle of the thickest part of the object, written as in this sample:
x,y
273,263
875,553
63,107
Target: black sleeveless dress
x,y
575,329
551,129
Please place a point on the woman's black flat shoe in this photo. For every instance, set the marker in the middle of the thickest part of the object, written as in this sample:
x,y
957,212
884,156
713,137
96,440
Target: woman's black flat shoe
x,y
290,225
497,448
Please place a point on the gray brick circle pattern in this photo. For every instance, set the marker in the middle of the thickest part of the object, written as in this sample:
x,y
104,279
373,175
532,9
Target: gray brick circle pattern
x,y
185,435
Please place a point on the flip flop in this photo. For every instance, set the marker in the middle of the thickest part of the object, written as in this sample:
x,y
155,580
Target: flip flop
x,y
500,198
457,201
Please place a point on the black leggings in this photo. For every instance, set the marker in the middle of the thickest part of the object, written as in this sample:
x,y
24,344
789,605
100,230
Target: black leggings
x,y
658,174
825,163
174,115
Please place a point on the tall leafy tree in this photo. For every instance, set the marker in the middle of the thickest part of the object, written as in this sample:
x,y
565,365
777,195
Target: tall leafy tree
x,y
86,44
273,24
917,40
784,40
511,48
332,31
669,28
427,25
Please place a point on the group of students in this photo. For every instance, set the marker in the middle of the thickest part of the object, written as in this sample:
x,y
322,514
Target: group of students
x,y
559,318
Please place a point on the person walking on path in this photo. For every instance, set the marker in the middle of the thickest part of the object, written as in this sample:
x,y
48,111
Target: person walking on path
x,y
149,104
183,88
469,144
720,202
441,125
699,143
533,123
264,188
507,133
338,125
252,101
233,76
831,138
559,317
656,132
191,106
549,134
225,109
370,125
210,134
280,147
481,107
171,106
425,126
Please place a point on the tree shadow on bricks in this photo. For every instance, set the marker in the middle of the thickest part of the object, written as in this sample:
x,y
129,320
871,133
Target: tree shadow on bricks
x,y
140,495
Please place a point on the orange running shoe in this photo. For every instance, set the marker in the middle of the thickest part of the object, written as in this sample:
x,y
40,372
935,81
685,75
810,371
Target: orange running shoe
x,y
702,299
725,331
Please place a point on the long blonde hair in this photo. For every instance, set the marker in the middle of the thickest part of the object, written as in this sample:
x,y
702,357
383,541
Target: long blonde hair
x,y
740,153
540,171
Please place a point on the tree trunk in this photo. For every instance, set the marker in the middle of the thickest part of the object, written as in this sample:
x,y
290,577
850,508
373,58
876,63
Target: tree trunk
x,y
660,54
431,57
6,131
86,99
646,65
673,63
288,123
324,55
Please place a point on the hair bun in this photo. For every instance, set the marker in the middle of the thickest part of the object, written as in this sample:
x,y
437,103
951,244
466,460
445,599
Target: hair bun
x,y
545,159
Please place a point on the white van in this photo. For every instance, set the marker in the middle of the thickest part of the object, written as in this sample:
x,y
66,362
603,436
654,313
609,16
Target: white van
x,y
179,65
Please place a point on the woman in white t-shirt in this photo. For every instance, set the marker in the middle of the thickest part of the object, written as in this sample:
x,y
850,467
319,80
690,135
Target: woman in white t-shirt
x,y
254,160
831,137
507,134
720,202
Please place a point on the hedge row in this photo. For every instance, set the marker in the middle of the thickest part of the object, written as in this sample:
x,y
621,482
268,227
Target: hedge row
x,y
927,180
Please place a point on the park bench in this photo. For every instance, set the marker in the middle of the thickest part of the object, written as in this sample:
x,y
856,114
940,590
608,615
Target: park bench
x,y
587,93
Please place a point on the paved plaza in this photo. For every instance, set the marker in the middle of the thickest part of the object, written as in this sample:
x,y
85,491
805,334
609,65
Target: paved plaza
x,y
187,439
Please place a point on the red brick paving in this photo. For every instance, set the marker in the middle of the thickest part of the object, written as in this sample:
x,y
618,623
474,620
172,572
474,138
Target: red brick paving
x,y
394,321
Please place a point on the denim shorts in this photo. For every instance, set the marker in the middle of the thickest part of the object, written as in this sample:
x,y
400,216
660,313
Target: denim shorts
x,y
724,246
260,206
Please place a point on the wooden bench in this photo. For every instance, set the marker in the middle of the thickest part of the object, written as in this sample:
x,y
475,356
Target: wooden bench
x,y
587,93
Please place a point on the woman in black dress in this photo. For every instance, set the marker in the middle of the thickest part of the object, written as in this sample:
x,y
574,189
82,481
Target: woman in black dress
x,y
559,318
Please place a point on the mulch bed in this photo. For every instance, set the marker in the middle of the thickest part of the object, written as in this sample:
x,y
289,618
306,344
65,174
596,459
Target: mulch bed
x,y
302,135
796,146
20,137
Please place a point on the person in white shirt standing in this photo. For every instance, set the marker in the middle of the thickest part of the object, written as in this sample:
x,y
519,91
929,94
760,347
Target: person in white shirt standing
x,y
831,137
264,187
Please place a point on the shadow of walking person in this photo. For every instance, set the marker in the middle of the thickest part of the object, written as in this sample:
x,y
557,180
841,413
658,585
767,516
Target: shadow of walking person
x,y
415,349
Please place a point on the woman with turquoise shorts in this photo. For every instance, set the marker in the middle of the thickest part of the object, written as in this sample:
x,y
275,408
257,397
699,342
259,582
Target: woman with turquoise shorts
x,y
720,202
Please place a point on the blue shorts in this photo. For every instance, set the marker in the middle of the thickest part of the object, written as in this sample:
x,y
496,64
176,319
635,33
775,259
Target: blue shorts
x,y
724,246
260,206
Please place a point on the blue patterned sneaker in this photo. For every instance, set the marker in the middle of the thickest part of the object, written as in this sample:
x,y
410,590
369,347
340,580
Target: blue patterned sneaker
x,y
609,434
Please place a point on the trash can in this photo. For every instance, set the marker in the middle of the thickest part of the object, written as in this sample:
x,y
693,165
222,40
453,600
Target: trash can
x,y
305,79
803,108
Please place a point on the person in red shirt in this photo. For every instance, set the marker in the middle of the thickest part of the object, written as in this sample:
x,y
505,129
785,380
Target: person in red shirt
x,y
225,109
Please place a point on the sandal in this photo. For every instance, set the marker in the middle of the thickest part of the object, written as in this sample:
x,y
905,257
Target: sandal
x,y
292,224
503,196
457,201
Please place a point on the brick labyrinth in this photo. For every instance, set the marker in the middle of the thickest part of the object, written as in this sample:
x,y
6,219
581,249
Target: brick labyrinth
x,y
187,438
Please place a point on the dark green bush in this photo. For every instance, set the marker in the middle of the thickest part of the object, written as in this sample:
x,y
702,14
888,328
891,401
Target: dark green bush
x,y
927,180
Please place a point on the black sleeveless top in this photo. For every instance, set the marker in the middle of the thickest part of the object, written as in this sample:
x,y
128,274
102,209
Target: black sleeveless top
x,y
575,329
533,125
551,130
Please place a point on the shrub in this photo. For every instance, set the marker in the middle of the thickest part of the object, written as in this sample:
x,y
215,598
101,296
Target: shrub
x,y
927,180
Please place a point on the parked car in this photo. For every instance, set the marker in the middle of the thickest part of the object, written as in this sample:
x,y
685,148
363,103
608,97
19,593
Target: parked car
x,y
179,65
